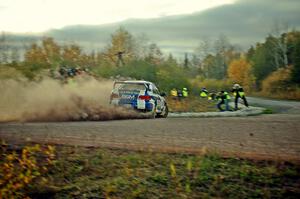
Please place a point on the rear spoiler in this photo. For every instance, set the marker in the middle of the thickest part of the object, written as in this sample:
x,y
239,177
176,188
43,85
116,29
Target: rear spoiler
x,y
124,82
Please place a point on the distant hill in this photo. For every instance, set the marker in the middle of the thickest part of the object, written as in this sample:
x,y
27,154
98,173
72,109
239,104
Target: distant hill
x,y
244,23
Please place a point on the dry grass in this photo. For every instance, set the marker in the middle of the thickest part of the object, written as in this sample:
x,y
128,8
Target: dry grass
x,y
191,104
104,173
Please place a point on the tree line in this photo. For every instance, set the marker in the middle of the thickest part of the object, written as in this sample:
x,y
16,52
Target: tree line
x,y
270,66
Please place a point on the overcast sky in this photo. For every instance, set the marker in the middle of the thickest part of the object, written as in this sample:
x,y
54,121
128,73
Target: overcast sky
x,y
41,15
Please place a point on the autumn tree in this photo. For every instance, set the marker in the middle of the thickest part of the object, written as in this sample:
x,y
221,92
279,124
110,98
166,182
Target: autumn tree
x,y
52,51
71,55
35,57
155,56
240,71
120,50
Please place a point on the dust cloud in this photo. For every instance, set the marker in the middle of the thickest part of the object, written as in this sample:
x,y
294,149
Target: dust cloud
x,y
51,101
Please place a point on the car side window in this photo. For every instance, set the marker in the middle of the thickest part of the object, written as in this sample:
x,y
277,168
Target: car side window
x,y
155,90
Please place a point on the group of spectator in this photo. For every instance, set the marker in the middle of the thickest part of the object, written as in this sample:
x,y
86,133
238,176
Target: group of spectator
x,y
222,96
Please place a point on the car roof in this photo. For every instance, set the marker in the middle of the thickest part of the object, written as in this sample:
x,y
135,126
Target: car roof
x,y
135,81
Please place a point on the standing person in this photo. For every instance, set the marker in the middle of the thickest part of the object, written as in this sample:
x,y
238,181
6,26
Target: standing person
x,y
223,98
173,93
238,92
179,94
203,92
185,92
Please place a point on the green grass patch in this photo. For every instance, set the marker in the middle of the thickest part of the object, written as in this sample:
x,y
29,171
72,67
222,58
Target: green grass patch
x,y
268,111
103,173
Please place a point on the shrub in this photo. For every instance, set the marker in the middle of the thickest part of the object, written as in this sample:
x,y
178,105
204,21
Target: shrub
x,y
277,81
19,170
210,84
7,72
278,85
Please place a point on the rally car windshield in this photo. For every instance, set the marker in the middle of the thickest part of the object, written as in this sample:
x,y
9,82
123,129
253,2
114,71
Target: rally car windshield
x,y
130,86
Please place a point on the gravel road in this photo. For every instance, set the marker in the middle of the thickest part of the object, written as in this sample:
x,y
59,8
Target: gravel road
x,y
278,106
266,136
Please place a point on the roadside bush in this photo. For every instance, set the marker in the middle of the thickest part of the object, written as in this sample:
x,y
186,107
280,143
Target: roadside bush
x,y
210,84
19,170
278,85
7,72
140,70
277,81
169,77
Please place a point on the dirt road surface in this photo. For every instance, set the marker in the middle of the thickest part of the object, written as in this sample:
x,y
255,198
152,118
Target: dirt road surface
x,y
278,106
274,136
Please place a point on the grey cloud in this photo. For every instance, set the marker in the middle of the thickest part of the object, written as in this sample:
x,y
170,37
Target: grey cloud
x,y
244,23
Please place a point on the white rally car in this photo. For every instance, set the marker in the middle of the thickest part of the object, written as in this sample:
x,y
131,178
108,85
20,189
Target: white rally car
x,y
140,95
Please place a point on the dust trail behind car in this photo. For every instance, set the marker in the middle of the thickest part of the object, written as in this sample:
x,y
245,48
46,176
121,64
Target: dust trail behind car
x,y
49,100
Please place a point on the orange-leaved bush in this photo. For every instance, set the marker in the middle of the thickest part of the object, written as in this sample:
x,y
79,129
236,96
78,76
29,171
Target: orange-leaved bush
x,y
19,169
240,71
277,81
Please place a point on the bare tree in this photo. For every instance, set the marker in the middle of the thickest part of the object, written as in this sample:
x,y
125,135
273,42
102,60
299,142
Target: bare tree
x,y
4,49
279,50
203,49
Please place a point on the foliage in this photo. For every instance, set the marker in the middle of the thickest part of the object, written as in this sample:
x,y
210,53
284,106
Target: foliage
x,y
261,60
279,85
121,42
8,72
191,104
215,59
212,85
139,70
273,54
295,73
209,66
170,76
240,71
277,81
19,170
103,173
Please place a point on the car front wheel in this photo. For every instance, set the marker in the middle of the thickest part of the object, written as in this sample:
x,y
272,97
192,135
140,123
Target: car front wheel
x,y
165,112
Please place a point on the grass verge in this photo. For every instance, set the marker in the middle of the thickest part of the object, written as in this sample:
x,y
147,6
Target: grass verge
x,y
81,172
191,104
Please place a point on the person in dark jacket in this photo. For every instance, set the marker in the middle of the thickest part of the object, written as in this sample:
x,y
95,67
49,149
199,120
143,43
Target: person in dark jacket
x,y
179,94
238,92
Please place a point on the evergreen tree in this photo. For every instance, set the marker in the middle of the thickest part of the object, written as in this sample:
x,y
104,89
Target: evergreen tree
x,y
296,59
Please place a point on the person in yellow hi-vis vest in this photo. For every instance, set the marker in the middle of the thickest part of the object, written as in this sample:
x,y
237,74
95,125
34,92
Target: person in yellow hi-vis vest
x,y
173,93
203,92
185,92
223,97
238,92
